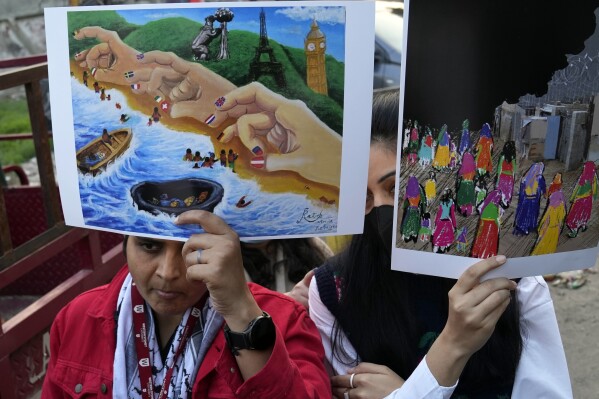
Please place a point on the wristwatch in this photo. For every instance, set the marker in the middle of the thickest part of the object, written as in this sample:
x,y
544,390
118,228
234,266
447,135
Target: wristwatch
x,y
259,335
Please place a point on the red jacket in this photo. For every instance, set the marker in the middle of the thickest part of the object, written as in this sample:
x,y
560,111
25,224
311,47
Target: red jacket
x,y
83,341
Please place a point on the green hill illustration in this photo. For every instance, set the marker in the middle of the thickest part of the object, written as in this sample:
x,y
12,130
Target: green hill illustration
x,y
177,34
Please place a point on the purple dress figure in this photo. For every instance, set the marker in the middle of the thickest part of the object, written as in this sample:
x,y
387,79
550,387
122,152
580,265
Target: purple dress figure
x,y
532,189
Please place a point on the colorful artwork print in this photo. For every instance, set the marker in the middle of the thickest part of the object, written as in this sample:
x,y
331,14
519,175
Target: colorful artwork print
x,y
234,110
511,173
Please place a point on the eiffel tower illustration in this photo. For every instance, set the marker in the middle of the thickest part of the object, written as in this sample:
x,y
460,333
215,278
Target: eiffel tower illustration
x,y
259,67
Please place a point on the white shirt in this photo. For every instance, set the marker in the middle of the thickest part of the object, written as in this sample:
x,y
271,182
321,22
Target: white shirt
x,y
541,373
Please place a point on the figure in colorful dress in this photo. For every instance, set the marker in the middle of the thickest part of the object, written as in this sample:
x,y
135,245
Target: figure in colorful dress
x,y
532,188
426,152
506,169
551,225
480,189
441,160
583,195
484,151
465,142
445,223
453,155
462,240
413,208
486,242
413,144
555,185
466,195
430,188
425,227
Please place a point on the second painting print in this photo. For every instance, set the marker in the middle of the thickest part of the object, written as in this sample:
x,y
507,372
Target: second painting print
x,y
500,146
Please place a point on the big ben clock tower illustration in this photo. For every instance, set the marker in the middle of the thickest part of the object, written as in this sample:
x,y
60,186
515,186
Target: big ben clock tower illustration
x,y
315,46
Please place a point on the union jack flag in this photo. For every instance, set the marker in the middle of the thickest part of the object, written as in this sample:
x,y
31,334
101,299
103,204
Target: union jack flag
x,y
219,102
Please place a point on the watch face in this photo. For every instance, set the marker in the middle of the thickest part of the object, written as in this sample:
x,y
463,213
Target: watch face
x,y
311,46
322,44
262,333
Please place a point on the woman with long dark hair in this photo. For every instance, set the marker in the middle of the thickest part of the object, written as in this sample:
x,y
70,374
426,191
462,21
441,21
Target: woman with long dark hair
x,y
403,335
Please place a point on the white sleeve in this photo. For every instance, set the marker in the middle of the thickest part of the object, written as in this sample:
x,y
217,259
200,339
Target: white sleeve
x,y
324,320
422,385
542,371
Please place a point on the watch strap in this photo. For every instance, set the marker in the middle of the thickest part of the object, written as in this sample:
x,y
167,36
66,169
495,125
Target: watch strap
x,y
242,340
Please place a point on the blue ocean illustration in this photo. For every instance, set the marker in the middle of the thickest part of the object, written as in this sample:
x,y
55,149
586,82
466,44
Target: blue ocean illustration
x,y
155,154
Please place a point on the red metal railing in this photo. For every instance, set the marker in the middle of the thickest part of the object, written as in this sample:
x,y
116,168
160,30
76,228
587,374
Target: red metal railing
x,y
41,257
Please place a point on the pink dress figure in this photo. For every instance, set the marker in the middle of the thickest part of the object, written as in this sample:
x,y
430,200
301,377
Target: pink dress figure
x,y
583,195
506,169
484,151
445,224
413,144
486,241
466,194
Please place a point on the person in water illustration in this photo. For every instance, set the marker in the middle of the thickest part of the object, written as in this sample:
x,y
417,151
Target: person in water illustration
x,y
197,157
223,158
188,155
107,138
242,203
231,157
156,115
124,118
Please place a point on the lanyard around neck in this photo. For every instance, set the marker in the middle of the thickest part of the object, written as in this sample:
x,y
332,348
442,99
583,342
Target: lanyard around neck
x,y
140,329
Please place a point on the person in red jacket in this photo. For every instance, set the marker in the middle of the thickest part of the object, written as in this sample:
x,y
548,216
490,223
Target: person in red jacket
x,y
179,321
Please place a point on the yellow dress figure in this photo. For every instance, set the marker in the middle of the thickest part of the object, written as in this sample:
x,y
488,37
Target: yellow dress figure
x,y
430,188
441,161
551,225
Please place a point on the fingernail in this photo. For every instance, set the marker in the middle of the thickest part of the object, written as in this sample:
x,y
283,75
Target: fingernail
x,y
176,221
77,55
257,151
139,57
210,119
258,162
129,74
220,136
500,258
219,102
514,284
94,70
75,32
135,86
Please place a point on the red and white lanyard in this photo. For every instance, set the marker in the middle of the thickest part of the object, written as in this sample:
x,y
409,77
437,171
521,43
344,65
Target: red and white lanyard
x,y
140,328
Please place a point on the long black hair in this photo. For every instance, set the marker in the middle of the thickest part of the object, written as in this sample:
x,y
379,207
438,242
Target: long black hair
x,y
300,255
388,315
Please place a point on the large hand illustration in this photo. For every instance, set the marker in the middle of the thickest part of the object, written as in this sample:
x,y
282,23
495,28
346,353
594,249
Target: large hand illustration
x,y
283,134
114,60
190,87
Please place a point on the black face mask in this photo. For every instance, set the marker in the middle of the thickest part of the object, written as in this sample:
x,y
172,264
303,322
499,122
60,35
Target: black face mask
x,y
380,220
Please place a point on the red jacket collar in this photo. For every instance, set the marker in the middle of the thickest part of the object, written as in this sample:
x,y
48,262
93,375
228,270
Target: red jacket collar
x,y
104,306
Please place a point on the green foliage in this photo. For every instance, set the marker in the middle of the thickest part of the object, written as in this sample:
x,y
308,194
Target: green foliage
x,y
170,34
109,20
14,118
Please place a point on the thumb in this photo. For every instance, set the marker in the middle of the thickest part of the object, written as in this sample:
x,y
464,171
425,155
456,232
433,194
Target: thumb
x,y
308,278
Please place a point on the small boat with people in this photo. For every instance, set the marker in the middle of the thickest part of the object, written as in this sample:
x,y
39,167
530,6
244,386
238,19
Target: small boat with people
x,y
95,156
174,197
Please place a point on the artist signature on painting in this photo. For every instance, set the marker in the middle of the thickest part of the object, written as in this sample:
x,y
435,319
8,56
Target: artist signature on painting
x,y
322,223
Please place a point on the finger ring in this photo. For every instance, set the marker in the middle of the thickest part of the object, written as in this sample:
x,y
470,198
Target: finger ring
x,y
346,394
351,380
198,255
